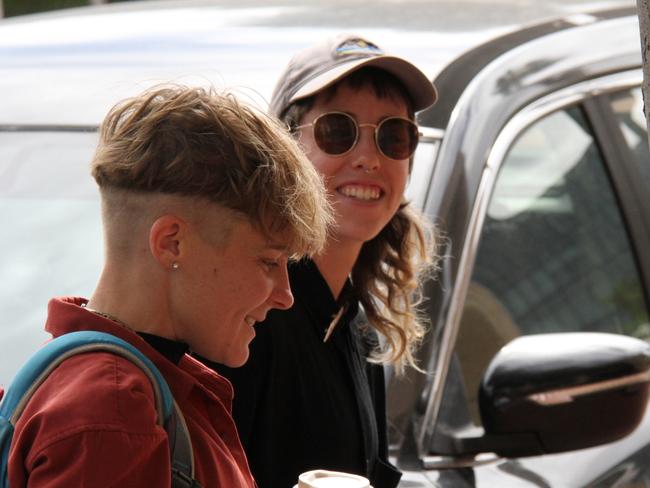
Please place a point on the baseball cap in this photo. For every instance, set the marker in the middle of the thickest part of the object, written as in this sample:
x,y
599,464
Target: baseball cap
x,y
321,65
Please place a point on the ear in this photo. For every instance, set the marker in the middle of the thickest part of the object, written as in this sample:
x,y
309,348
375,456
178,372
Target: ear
x,y
166,240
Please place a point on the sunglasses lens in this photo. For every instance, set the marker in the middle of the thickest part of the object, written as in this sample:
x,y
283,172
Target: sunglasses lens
x,y
397,138
335,133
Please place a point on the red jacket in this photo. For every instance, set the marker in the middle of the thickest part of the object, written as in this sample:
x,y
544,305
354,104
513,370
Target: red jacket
x,y
92,423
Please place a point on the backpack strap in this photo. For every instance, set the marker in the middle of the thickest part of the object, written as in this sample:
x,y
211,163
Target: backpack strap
x,y
182,456
46,359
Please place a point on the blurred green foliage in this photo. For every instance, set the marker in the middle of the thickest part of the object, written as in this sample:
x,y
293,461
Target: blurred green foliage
x,y
21,7
628,296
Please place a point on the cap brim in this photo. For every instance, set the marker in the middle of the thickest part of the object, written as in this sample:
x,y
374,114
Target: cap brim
x,y
420,88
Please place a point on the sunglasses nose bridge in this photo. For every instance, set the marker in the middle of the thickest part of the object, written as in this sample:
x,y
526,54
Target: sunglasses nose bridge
x,y
372,134
368,142
370,126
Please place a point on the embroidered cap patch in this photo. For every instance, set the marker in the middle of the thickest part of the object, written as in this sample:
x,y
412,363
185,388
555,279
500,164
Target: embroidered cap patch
x,y
357,46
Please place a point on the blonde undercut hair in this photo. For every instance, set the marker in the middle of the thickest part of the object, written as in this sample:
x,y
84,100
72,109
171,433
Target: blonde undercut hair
x,y
196,142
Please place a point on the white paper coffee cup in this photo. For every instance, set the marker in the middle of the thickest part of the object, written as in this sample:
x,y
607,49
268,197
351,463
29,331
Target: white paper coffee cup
x,y
320,478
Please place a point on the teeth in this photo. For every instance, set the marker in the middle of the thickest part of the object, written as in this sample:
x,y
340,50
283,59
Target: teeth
x,y
250,321
361,192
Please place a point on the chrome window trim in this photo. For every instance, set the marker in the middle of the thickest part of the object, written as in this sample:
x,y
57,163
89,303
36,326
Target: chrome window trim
x,y
515,126
450,331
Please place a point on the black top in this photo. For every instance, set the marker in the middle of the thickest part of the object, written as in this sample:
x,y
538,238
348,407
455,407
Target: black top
x,y
302,404
172,350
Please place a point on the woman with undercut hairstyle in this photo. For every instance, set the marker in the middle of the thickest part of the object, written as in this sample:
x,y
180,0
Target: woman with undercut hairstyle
x,y
204,200
312,394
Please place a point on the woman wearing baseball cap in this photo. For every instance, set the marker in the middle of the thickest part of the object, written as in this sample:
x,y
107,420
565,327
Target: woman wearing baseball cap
x,y
312,393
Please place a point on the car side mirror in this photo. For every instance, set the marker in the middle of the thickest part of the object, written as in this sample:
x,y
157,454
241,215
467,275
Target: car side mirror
x,y
551,393
571,390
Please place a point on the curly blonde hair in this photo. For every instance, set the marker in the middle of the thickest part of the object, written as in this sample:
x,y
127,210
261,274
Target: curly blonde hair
x,y
195,142
387,276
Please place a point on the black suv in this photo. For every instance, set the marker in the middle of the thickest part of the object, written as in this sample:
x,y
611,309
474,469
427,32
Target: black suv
x,y
539,173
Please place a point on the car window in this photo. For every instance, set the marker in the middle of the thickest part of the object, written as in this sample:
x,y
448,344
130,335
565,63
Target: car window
x,y
51,245
554,254
628,107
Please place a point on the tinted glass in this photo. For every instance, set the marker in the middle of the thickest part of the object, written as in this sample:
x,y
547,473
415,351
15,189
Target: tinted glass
x,y
397,138
554,255
335,133
51,243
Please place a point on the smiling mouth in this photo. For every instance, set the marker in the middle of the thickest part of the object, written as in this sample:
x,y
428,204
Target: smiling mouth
x,y
360,192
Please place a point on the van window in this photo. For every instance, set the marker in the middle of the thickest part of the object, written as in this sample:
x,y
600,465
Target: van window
x,y
51,234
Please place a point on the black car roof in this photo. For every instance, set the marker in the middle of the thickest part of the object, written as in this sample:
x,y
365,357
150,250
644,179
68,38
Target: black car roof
x,y
454,78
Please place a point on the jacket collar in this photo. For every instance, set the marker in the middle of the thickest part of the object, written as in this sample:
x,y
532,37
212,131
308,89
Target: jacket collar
x,y
68,314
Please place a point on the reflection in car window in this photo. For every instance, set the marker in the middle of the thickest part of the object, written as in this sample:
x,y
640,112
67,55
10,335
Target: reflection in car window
x,y
51,246
554,255
628,106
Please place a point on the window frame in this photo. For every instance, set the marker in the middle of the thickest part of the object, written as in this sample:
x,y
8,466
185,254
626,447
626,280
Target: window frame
x,y
631,193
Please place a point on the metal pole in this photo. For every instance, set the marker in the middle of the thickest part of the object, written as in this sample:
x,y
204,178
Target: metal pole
x,y
644,25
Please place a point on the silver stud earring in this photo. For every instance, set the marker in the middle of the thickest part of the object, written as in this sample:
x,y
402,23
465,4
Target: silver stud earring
x,y
174,265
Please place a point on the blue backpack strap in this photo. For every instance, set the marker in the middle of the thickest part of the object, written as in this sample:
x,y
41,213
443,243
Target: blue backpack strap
x,y
46,359
181,451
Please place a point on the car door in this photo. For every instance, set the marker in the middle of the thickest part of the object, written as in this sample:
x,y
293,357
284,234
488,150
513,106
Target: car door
x,y
561,246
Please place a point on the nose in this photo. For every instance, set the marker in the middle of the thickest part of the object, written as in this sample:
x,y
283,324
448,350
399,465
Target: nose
x,y
366,155
282,298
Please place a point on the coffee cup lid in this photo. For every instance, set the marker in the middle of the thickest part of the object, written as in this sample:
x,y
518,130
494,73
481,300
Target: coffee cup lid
x,y
320,478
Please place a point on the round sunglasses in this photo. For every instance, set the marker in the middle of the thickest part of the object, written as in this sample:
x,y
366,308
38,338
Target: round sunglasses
x,y
336,134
